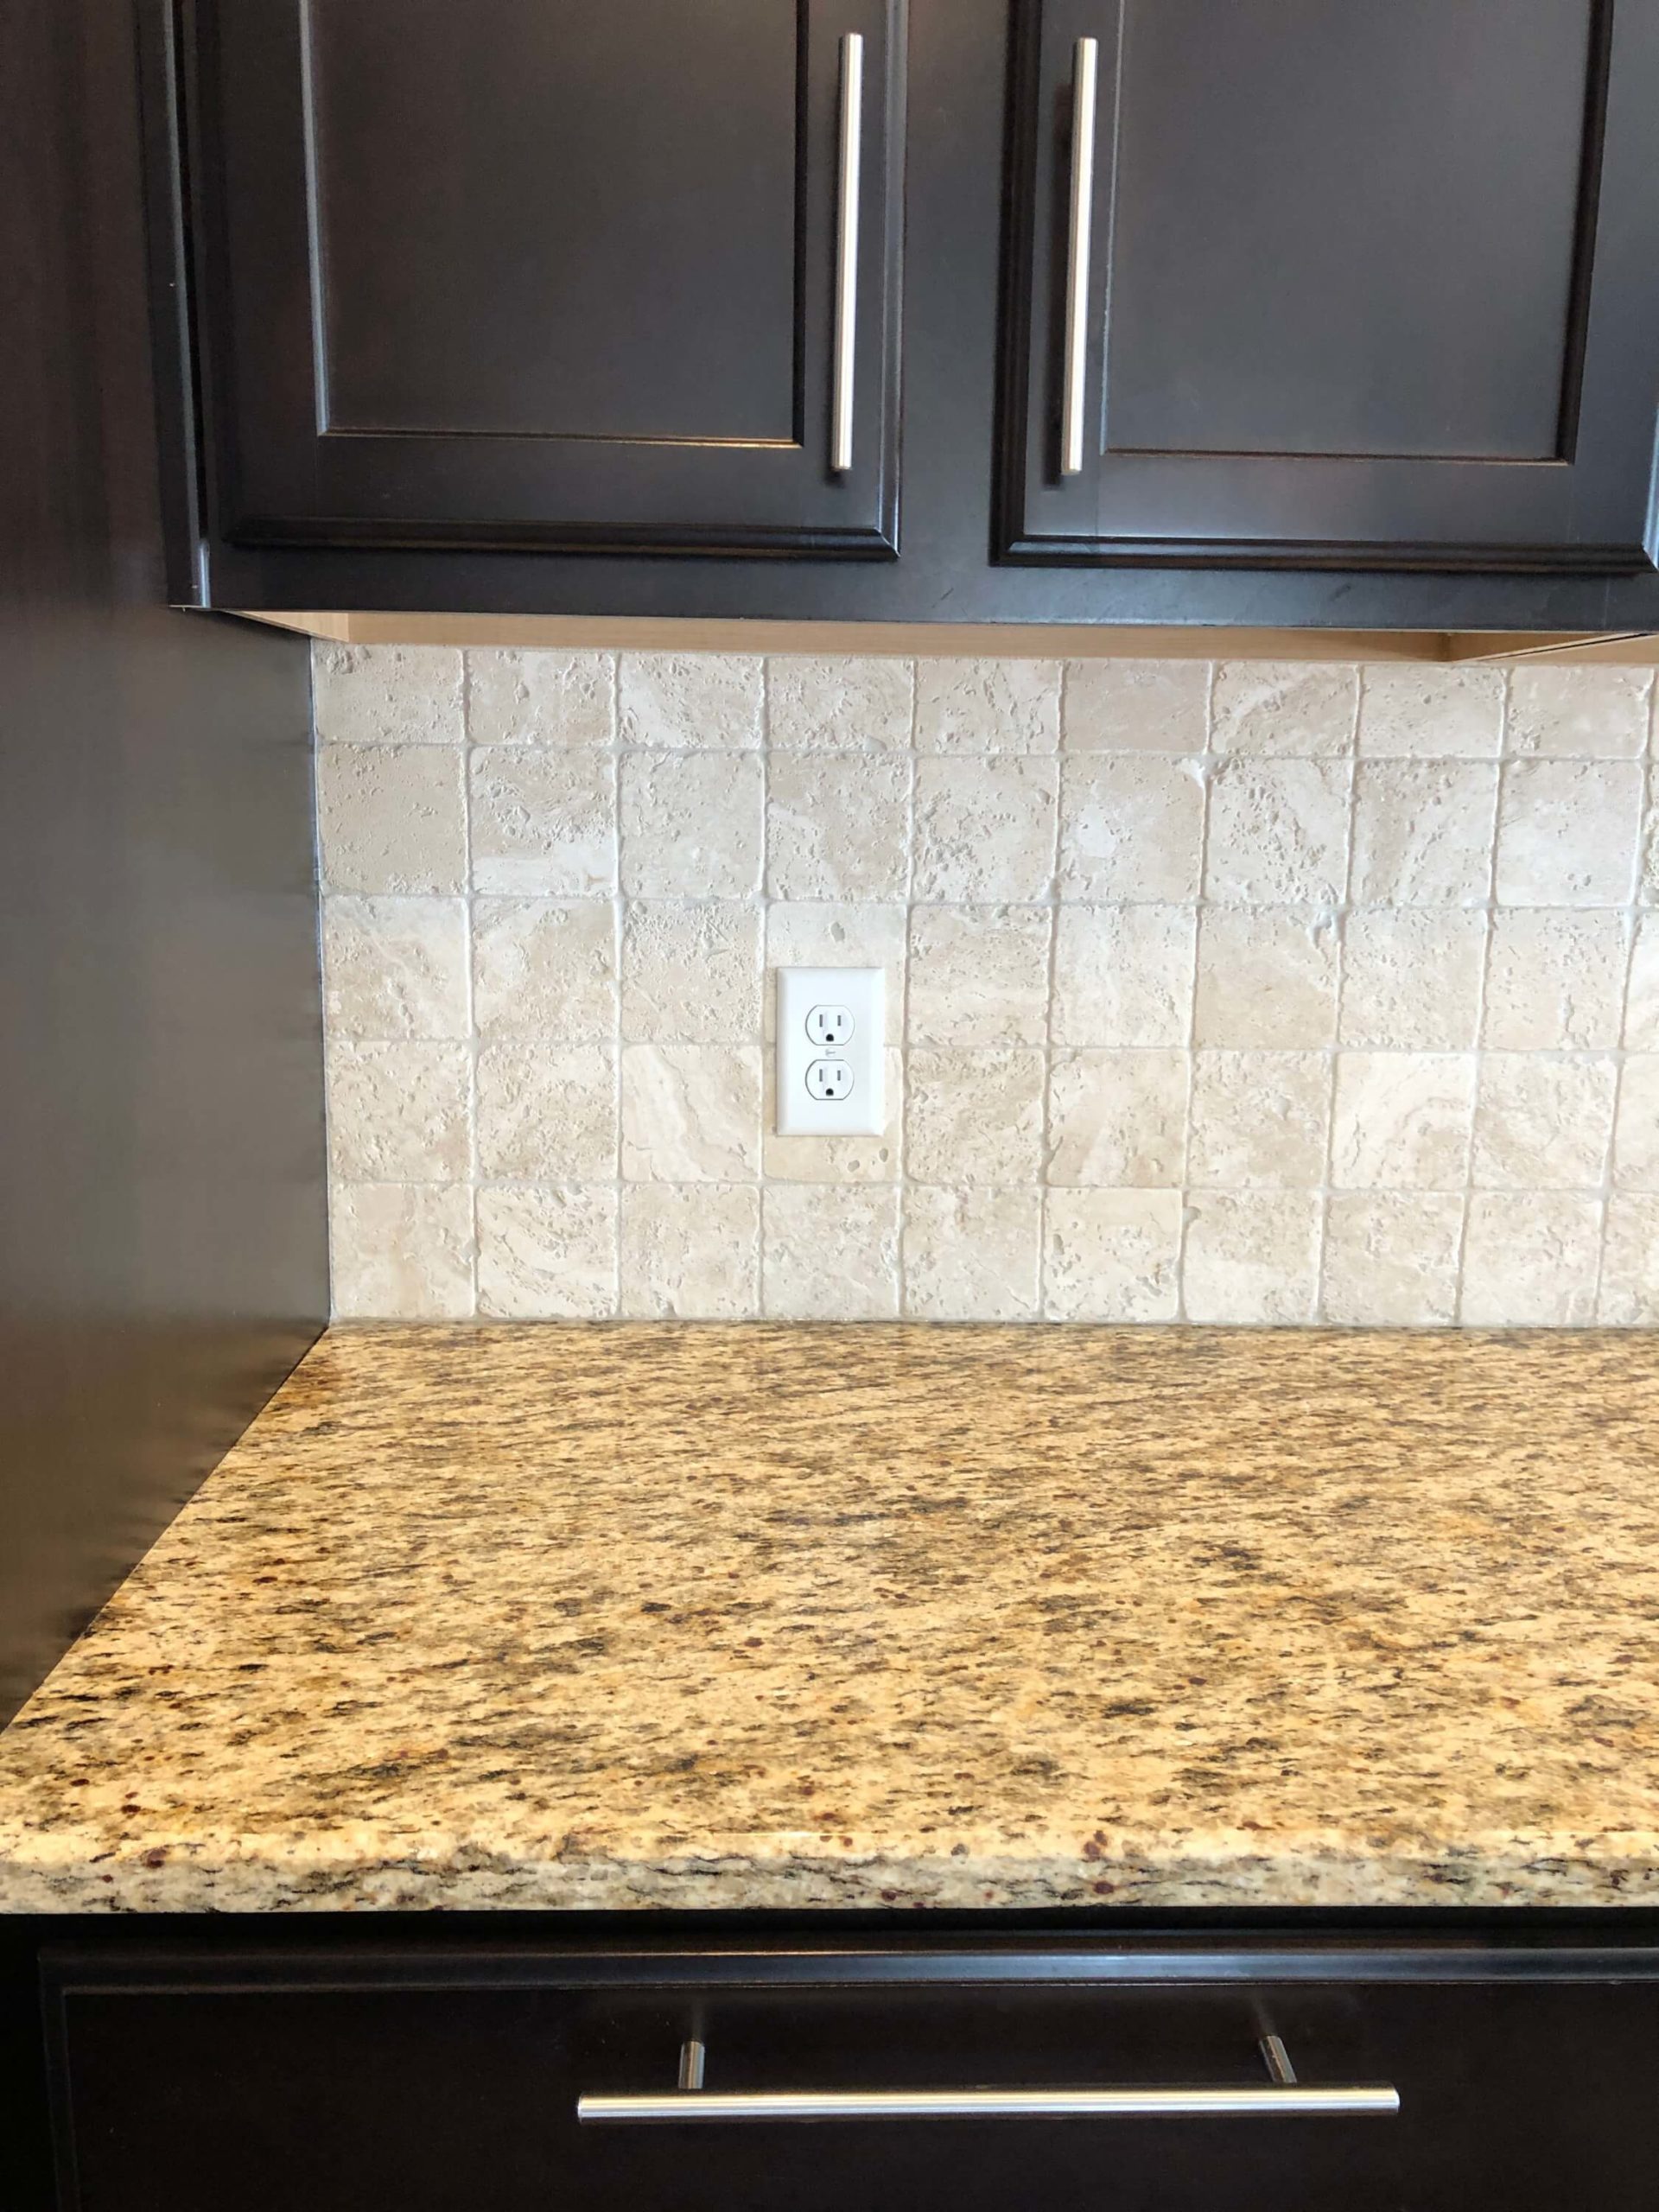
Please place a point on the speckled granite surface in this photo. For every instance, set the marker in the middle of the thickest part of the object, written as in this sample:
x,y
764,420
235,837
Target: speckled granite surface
x,y
660,1616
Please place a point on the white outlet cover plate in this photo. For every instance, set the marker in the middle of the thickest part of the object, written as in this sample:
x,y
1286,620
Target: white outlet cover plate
x,y
863,992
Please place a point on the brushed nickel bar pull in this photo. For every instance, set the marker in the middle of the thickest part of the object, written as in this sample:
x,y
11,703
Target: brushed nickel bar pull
x,y
991,2104
852,142
1085,77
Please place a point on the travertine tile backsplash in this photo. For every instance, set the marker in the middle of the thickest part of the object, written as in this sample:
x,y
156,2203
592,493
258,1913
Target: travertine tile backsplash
x,y
1245,992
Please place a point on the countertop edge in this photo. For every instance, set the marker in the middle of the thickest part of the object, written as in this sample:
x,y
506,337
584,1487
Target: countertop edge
x,y
1561,1872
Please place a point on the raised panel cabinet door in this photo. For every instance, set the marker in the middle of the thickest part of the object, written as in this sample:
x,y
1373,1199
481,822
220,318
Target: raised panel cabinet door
x,y
1323,283
538,275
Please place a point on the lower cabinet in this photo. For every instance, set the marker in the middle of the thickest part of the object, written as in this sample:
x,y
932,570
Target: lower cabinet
x,y
831,2079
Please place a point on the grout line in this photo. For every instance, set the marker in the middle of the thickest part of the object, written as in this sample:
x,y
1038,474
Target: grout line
x,y
1459,1287
1339,920
329,1040
768,1054
618,906
900,1106
1050,1052
470,1013
1622,1050
1184,1222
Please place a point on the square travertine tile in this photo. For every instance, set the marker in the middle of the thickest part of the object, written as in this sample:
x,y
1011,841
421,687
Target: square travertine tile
x,y
1408,712
979,975
1584,714
1267,978
546,1114
1118,1119
387,694
974,1116
690,1113
1136,706
1628,1297
401,1251
1555,980
1567,833
693,825
1260,1121
397,1113
838,826
1112,1255
1542,1124
1636,1142
840,703
1423,832
1278,832
544,821
1411,977
1403,1121
690,701
1131,827
691,973
541,698
988,706
394,967
1124,975
830,1252
1530,1259
391,819
1642,1007
547,1254
545,967
690,1252
1287,710
1391,1259
1251,1257
971,1255
985,829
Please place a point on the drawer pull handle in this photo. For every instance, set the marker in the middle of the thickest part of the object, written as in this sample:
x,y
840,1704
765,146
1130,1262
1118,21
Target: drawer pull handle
x,y
852,132
1085,69
1286,2098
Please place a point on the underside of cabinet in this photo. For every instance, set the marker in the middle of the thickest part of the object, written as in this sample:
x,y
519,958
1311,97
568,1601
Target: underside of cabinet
x,y
1012,641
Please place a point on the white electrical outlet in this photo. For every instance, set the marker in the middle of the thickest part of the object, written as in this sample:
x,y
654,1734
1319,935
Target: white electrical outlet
x,y
831,1024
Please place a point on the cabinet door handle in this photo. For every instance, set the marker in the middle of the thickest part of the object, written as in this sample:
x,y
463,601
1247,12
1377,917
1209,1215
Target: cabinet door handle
x,y
1085,77
1286,2099
989,2104
846,335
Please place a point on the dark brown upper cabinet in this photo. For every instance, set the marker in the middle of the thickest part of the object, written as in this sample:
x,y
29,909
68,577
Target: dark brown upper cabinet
x,y
1328,283
519,274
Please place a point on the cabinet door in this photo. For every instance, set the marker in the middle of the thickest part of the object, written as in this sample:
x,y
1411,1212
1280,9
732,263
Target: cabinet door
x,y
531,274
1322,282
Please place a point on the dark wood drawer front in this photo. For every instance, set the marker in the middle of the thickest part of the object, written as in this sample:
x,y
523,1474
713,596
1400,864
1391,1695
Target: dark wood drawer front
x,y
430,2099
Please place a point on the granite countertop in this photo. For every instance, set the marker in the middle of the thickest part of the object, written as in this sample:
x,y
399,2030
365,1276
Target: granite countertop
x,y
678,1616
